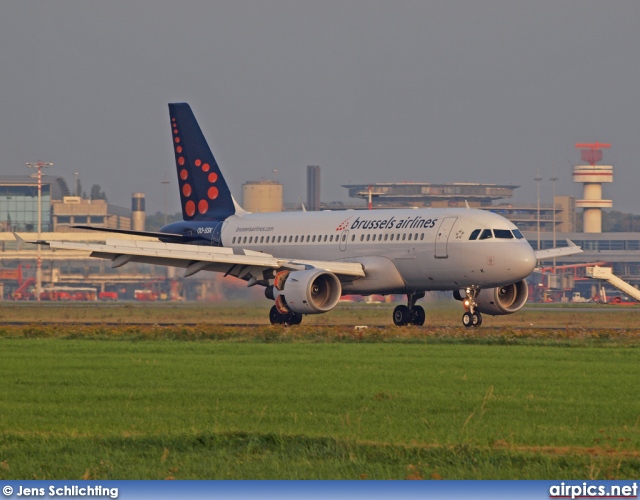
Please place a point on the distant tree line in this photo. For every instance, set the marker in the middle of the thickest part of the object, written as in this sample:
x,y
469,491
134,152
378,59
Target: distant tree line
x,y
618,222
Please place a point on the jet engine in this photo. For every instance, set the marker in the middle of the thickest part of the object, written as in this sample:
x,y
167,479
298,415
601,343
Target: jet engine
x,y
312,291
503,299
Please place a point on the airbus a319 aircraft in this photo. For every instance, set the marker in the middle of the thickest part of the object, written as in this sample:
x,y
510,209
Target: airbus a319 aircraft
x,y
307,260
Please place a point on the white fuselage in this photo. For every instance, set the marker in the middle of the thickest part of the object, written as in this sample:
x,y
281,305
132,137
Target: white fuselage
x,y
401,250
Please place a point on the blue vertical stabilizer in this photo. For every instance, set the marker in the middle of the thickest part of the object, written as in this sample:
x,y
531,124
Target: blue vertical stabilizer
x,y
204,194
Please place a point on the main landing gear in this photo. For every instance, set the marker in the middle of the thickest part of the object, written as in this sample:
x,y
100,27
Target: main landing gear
x,y
411,313
472,316
290,318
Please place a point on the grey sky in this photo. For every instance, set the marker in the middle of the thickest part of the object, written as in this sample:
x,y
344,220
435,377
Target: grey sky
x,y
438,91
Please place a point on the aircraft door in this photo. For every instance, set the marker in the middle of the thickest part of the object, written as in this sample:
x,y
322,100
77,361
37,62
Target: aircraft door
x,y
443,236
344,237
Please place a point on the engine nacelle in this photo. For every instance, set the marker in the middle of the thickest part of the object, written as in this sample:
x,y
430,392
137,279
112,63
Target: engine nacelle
x,y
313,291
503,299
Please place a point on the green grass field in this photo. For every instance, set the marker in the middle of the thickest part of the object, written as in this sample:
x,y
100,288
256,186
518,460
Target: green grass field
x,y
439,313
269,404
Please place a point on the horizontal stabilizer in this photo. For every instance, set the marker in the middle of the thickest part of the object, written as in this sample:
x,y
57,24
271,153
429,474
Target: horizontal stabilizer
x,y
150,234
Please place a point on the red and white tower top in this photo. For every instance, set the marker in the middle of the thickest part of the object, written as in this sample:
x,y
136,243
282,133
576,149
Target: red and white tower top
x,y
592,176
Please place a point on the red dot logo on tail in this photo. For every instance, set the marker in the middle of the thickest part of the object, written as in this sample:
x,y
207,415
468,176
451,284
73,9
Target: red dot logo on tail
x,y
190,208
186,190
203,206
213,192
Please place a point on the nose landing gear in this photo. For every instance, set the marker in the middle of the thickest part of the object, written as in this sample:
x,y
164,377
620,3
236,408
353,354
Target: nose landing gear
x,y
411,313
471,317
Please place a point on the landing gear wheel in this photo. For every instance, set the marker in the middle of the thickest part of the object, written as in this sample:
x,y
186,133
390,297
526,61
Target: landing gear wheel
x,y
293,318
275,317
477,318
467,319
418,316
401,316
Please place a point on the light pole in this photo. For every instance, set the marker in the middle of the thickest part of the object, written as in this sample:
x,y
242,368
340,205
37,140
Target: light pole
x,y
538,179
76,174
39,165
554,179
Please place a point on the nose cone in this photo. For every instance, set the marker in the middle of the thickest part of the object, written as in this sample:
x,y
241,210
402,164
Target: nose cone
x,y
521,260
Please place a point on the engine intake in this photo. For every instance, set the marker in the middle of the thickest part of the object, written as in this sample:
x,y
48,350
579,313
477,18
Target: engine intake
x,y
312,291
503,299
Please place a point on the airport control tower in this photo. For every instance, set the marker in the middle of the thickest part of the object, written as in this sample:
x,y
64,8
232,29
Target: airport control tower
x,y
592,176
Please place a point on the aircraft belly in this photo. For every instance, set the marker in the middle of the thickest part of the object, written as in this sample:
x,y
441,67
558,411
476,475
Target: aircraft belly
x,y
381,276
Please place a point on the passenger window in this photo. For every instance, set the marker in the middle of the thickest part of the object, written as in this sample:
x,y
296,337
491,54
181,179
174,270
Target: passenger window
x,y
422,237
474,234
325,238
362,237
373,237
290,239
353,237
279,238
261,239
344,236
517,234
368,237
504,234
410,235
307,238
233,240
486,234
391,236
404,236
296,240
386,236
313,240
250,239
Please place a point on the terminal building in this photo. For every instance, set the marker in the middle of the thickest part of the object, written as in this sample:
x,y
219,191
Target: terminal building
x,y
19,207
527,216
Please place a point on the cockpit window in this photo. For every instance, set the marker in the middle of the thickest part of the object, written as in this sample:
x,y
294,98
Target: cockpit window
x,y
474,234
517,234
486,234
504,234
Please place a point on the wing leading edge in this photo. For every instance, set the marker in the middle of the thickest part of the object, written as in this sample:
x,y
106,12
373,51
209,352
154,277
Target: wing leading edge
x,y
571,249
244,264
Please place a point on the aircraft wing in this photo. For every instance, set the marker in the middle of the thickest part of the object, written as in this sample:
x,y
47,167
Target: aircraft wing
x,y
571,249
244,264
